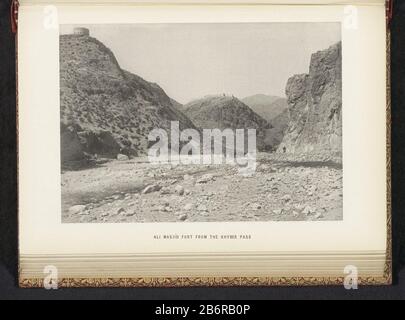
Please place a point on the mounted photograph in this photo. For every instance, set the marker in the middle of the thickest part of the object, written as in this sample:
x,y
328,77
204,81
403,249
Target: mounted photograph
x,y
201,122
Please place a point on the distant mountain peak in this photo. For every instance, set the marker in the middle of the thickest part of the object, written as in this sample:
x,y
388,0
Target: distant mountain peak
x,y
269,107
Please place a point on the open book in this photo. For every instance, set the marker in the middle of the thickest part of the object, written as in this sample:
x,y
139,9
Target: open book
x,y
166,143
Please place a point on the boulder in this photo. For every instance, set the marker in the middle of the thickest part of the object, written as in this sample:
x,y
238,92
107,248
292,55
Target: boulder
x,y
151,188
179,190
76,209
202,208
286,198
122,157
308,210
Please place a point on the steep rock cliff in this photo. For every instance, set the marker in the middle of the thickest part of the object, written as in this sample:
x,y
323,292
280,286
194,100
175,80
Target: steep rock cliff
x,y
315,107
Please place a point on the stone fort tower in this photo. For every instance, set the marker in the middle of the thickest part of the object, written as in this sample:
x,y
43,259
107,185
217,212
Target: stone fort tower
x,y
81,31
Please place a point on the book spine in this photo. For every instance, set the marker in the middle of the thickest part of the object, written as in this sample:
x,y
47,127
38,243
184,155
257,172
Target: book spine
x,y
14,15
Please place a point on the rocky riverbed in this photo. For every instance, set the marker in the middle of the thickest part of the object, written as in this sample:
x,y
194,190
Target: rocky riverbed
x,y
282,189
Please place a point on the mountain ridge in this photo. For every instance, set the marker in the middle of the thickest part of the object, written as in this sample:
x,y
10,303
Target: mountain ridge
x,y
223,112
266,106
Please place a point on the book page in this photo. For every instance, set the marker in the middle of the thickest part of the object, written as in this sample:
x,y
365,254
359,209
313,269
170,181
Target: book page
x,y
211,2
88,179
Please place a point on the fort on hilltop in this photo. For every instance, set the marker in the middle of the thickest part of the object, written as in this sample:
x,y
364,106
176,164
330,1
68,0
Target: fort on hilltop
x,y
81,31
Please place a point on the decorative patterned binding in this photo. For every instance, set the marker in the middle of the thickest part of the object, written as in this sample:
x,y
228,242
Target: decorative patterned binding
x,y
204,282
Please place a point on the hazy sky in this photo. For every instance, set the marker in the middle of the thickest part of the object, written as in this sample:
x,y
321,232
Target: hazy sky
x,y
193,60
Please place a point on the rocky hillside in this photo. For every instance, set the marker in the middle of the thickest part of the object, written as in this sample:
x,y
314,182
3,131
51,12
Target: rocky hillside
x,y
227,112
177,105
106,110
274,110
268,107
315,107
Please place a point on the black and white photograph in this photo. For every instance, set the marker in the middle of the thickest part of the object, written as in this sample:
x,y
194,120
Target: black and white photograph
x,y
201,122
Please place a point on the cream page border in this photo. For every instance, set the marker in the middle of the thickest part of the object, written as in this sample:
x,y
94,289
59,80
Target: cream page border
x,y
364,141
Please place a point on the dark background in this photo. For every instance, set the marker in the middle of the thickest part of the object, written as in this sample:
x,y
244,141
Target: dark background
x,y
8,199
